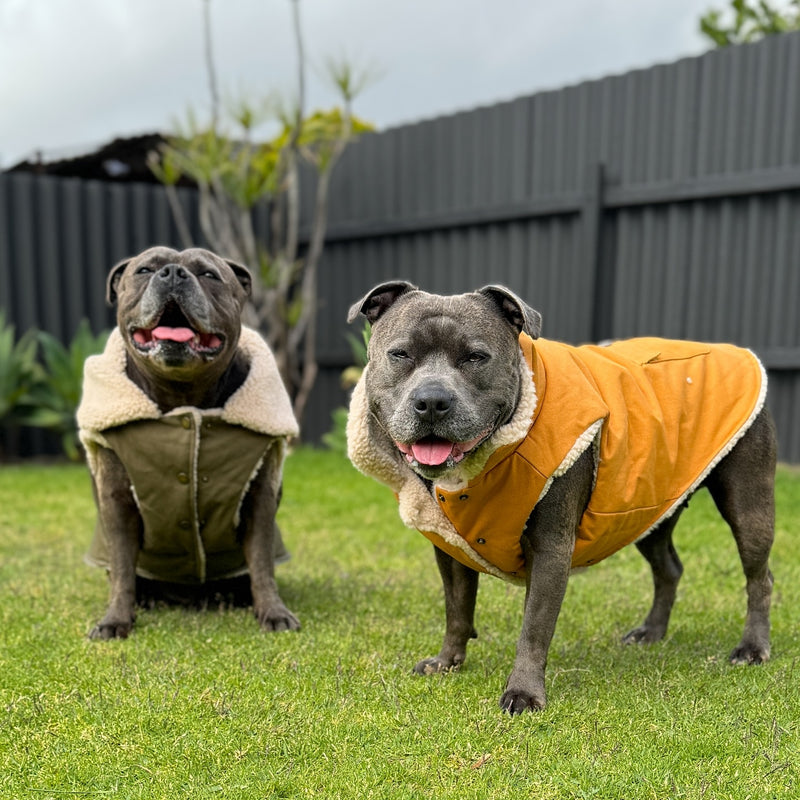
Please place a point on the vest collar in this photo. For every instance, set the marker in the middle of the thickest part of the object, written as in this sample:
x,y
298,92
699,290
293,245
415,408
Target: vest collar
x,y
110,398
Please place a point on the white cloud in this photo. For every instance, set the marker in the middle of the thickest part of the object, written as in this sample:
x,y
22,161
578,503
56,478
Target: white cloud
x,y
79,72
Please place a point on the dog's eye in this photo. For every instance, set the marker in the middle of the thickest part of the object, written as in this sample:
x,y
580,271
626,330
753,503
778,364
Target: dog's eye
x,y
209,273
143,271
399,355
475,357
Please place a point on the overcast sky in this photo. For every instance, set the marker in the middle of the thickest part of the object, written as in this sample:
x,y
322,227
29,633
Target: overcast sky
x,y
74,74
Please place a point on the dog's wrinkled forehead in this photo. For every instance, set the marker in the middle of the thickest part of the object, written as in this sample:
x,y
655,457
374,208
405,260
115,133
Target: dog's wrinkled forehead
x,y
155,257
420,308
435,326
396,302
194,259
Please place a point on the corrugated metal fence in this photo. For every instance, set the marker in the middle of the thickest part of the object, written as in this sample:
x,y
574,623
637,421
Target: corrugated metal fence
x,y
661,202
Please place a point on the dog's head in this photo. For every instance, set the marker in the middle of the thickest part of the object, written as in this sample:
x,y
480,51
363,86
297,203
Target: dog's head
x,y
444,371
179,312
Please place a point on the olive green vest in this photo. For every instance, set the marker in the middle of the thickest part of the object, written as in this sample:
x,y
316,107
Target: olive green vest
x,y
189,473
190,469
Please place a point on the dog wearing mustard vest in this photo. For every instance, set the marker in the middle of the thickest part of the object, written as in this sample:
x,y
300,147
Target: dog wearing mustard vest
x,y
525,458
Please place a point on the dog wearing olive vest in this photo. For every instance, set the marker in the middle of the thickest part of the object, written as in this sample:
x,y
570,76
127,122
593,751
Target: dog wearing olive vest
x,y
525,458
184,418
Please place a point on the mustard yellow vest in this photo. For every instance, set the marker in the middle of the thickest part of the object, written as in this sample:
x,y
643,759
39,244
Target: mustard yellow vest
x,y
659,414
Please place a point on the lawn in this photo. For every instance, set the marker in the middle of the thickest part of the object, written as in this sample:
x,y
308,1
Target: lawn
x,y
203,705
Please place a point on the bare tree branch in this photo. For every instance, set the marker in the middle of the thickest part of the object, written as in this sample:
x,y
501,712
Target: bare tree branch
x,y
179,217
234,174
210,65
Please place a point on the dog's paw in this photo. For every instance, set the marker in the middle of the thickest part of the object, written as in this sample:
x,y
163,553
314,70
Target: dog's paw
x,y
277,618
748,653
516,702
108,629
436,665
644,634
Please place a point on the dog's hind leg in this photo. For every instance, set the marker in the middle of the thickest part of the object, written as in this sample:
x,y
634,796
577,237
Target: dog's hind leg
x,y
743,487
660,553
259,545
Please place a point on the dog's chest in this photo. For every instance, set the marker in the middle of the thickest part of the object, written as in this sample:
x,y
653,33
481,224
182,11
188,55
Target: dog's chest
x,y
189,472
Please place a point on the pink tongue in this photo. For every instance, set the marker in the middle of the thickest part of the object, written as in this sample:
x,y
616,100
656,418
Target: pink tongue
x,y
432,453
173,334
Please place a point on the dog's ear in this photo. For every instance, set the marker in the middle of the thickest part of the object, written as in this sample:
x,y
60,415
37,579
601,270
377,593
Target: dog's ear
x,y
113,280
379,299
242,275
521,316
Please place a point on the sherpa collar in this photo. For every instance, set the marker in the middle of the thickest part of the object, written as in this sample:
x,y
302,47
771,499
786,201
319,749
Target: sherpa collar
x,y
110,398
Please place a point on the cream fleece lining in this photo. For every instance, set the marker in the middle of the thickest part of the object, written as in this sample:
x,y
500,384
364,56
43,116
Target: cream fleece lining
x,y
110,398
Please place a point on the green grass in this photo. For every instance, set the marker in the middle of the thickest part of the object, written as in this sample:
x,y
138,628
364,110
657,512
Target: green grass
x,y
203,705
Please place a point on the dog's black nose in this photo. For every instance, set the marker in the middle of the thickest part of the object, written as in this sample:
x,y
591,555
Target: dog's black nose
x,y
432,402
173,273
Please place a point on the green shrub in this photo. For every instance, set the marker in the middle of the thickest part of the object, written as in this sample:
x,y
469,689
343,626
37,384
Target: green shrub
x,y
336,438
19,369
53,399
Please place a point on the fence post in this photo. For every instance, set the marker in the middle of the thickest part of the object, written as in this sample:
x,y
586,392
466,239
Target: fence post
x,y
600,284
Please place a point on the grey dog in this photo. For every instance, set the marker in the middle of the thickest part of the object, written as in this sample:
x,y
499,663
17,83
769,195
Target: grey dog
x,y
184,418
525,458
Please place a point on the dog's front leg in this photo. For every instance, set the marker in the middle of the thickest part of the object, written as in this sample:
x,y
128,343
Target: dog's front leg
x,y
460,592
122,524
548,544
258,542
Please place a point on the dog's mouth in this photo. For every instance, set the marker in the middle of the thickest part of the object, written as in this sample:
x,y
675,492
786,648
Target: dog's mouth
x,y
433,451
173,326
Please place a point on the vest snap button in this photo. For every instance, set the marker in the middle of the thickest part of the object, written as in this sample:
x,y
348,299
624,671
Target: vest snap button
x,y
441,498
463,497
481,541
186,422
183,477
185,524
